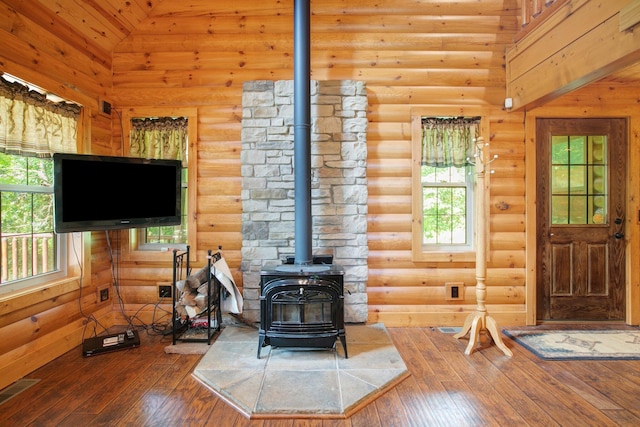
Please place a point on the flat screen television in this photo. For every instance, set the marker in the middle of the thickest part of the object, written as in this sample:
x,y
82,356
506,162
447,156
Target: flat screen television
x,y
93,192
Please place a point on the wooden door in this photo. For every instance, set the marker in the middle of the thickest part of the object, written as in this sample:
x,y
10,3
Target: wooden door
x,y
581,172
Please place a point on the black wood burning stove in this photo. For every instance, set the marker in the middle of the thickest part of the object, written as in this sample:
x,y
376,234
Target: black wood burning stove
x,y
302,307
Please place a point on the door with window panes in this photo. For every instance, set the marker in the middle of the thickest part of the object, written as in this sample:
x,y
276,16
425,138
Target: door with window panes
x,y
581,172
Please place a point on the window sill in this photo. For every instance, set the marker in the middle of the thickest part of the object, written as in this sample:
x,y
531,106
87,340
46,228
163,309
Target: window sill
x,y
18,299
444,256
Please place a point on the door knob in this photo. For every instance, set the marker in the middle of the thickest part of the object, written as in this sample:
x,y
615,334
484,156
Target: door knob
x,y
618,235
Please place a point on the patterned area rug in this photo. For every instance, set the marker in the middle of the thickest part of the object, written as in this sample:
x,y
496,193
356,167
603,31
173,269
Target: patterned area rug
x,y
580,345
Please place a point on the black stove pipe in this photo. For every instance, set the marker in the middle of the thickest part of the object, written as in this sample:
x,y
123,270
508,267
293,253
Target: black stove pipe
x,y
302,130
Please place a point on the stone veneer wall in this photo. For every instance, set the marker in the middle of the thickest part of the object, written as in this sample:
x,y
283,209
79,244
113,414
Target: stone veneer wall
x,y
338,184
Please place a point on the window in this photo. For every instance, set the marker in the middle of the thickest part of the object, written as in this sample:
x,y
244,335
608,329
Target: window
x,y
578,179
32,127
447,206
29,245
443,188
162,138
158,237
164,134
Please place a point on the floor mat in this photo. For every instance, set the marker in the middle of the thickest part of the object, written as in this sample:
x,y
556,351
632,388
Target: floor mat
x,y
580,344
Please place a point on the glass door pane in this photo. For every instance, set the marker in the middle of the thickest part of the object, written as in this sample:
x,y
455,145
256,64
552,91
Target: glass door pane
x,y
578,179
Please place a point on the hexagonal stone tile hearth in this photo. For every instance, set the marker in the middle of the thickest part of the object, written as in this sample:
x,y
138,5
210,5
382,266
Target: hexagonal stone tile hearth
x,y
301,383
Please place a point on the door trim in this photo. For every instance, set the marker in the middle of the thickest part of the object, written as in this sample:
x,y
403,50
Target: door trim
x,y
632,299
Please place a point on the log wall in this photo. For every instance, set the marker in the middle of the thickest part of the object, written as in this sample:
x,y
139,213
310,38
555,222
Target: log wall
x,y
426,57
38,326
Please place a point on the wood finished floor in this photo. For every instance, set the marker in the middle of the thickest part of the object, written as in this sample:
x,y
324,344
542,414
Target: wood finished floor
x,y
146,387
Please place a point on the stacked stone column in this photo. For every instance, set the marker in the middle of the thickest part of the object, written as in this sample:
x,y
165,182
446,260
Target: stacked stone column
x,y
338,184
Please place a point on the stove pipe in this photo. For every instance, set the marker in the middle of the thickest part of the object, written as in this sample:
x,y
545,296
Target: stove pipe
x,y
302,131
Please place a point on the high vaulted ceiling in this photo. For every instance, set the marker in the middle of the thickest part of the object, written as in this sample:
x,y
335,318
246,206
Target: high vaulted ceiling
x,y
99,25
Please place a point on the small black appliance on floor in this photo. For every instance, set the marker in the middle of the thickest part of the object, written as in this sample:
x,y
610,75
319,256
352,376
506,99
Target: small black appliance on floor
x,y
108,343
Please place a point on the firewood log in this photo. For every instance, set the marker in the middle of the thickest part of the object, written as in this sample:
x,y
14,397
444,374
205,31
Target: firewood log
x,y
187,299
198,278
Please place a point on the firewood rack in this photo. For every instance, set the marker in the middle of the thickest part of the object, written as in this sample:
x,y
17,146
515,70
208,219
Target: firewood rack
x,y
204,326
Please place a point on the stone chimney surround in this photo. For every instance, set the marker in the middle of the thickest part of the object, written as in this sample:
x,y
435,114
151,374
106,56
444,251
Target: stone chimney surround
x,y
338,184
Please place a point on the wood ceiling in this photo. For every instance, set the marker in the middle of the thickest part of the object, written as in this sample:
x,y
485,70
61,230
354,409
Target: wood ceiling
x,y
94,25
99,25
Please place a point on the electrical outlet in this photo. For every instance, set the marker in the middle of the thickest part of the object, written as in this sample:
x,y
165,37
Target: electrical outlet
x,y
104,294
164,291
454,291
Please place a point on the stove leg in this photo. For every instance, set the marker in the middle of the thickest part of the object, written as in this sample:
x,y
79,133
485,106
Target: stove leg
x,y
260,344
343,340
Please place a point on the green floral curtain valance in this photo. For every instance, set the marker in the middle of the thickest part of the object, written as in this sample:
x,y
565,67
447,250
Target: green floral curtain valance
x,y
159,138
31,125
448,141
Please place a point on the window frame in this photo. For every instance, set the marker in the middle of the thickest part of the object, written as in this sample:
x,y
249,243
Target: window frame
x,y
133,247
441,253
60,245
71,248
469,186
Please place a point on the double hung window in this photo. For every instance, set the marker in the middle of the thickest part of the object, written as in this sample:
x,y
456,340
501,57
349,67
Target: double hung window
x,y
164,133
32,128
163,138
444,181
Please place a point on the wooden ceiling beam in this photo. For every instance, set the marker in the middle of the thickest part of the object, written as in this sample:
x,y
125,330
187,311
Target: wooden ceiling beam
x,y
579,44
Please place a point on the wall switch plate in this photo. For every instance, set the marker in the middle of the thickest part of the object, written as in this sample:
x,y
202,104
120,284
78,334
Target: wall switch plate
x,y
103,294
454,291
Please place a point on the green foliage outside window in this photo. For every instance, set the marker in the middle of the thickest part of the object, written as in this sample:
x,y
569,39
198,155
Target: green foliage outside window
x,y
445,205
171,233
163,138
26,201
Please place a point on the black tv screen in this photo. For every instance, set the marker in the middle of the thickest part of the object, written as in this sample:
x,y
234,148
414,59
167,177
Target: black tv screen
x,y
104,193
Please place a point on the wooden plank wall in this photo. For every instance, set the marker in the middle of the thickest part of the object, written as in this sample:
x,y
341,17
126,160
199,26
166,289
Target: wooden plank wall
x,y
427,56
39,326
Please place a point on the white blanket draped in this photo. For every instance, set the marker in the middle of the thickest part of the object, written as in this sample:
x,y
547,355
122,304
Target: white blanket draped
x,y
232,299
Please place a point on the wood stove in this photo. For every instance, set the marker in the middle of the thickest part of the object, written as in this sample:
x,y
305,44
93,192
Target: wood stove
x,y
302,306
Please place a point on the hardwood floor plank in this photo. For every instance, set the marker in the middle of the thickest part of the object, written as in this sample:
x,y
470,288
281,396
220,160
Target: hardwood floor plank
x,y
469,403
184,403
146,387
431,352
74,419
389,410
483,391
414,402
622,417
511,393
366,417
337,423
584,389
278,423
439,409
55,381
150,402
608,379
559,401
130,395
133,362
